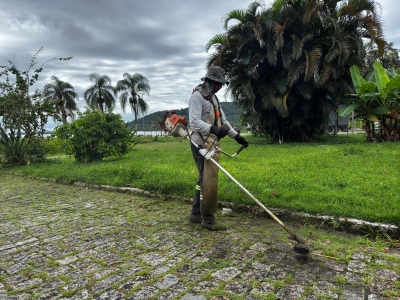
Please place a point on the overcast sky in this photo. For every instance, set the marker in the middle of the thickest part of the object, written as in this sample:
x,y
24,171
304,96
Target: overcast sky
x,y
164,40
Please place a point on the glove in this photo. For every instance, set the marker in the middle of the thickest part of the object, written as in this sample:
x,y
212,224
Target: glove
x,y
241,140
220,132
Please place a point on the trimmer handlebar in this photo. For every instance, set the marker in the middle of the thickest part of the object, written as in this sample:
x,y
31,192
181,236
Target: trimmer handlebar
x,y
236,153
241,148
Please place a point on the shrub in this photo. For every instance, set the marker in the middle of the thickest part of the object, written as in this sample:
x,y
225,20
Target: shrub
x,y
53,145
36,151
13,148
95,135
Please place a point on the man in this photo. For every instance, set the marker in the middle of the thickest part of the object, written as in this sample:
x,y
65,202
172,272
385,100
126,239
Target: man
x,y
209,125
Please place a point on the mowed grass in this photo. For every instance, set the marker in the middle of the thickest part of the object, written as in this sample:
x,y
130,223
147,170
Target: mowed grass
x,y
338,176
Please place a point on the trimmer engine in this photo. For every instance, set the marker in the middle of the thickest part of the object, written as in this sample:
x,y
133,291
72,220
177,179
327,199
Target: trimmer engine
x,y
176,125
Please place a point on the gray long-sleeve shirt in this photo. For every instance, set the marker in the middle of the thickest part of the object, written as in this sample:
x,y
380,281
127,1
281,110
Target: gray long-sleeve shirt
x,y
199,109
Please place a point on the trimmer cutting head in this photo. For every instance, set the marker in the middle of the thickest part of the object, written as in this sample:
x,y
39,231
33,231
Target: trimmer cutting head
x,y
301,247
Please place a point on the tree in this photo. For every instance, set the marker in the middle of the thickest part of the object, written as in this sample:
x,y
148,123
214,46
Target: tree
x,y
131,87
64,95
23,113
388,56
376,100
289,64
101,95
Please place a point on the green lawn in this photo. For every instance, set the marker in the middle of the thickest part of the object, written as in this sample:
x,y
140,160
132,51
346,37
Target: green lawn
x,y
339,176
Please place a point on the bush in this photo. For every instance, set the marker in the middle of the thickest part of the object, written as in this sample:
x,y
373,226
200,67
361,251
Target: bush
x,y
13,148
95,135
53,145
36,151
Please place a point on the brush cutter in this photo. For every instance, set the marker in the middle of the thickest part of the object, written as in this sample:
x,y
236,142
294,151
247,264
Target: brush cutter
x,y
176,125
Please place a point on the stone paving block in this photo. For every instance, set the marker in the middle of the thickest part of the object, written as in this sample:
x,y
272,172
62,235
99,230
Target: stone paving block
x,y
389,275
167,281
31,240
202,287
326,289
145,293
193,297
53,284
260,247
8,251
238,288
16,268
290,292
195,275
356,266
361,256
138,280
263,288
75,286
353,293
378,287
153,259
200,259
27,283
226,273
256,275
67,260
49,296
160,270
111,295
334,265
173,293
260,266
102,273
82,294
7,247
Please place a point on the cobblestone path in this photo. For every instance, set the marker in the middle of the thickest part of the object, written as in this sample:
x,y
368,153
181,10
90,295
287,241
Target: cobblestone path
x,y
72,242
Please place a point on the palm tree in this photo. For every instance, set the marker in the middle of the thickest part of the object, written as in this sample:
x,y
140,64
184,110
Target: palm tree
x,y
389,57
64,95
101,94
131,87
289,64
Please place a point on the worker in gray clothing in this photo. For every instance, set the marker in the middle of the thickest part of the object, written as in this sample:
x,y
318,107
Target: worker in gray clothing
x,y
209,125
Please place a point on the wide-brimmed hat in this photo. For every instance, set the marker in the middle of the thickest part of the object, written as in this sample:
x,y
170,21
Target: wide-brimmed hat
x,y
215,73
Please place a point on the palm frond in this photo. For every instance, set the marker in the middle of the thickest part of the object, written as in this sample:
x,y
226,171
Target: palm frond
x,y
305,89
280,104
271,54
326,72
313,59
279,30
267,91
237,14
296,70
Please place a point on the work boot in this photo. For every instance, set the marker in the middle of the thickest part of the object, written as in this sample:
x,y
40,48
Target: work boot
x,y
195,218
209,223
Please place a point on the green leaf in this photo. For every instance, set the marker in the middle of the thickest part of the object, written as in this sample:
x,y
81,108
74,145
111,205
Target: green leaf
x,y
394,83
345,111
380,110
372,118
356,77
367,87
381,79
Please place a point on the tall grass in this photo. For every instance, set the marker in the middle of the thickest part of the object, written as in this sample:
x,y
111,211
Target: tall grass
x,y
339,176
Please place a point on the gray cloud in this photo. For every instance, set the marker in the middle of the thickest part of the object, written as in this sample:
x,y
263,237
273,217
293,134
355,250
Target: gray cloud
x,y
163,40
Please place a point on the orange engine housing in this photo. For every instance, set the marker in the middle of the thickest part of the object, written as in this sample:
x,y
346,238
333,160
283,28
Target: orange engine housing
x,y
175,119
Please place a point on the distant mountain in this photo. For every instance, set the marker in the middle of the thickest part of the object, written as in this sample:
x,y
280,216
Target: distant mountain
x,y
231,111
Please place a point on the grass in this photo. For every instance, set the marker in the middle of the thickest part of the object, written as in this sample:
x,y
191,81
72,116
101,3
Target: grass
x,y
338,176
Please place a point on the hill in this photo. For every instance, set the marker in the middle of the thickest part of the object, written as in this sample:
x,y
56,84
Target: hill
x,y
230,109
